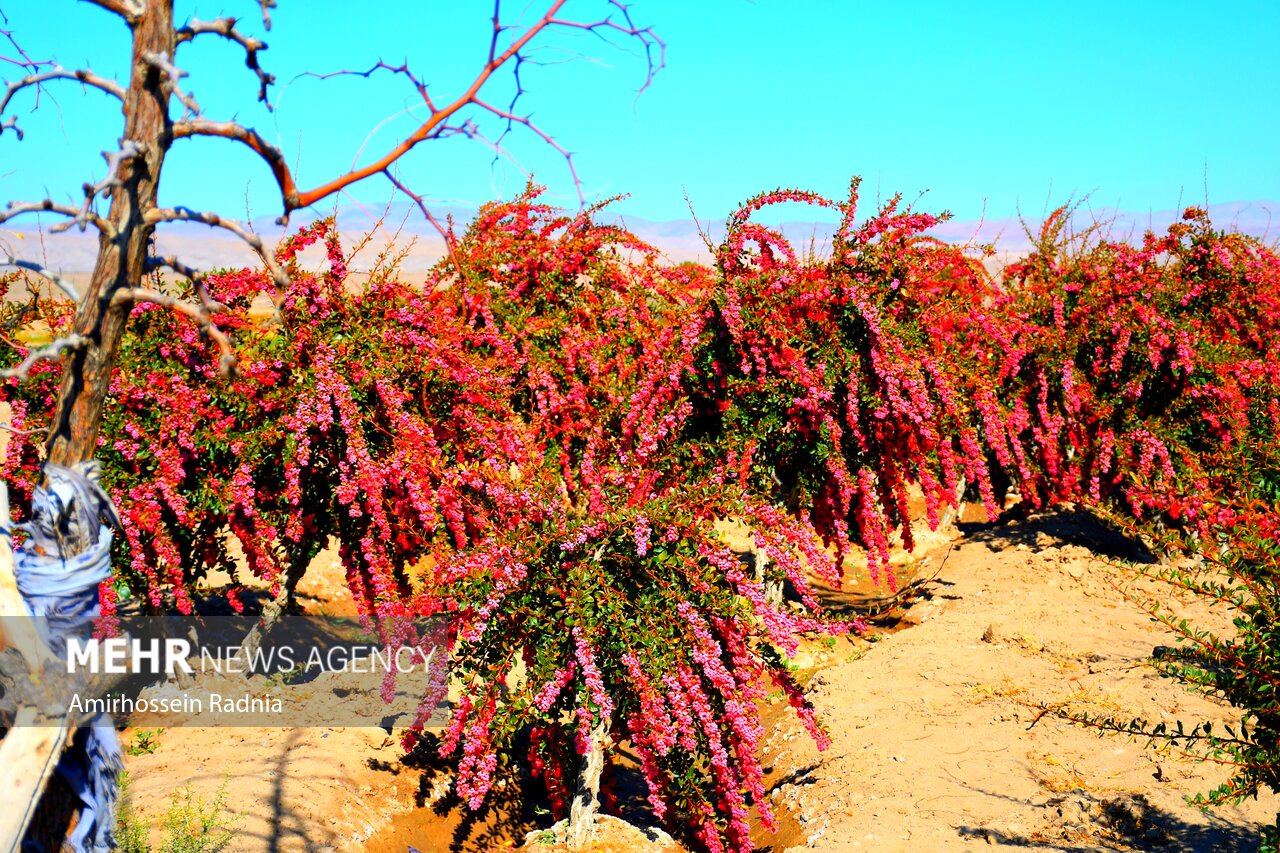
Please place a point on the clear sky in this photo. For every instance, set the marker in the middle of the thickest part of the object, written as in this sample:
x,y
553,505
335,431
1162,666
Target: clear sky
x,y
1004,104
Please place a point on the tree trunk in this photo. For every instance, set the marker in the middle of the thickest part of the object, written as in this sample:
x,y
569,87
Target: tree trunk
x,y
73,436
586,801
86,379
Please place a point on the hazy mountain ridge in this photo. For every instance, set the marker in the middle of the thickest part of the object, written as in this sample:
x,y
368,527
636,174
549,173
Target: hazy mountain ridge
x,y
211,248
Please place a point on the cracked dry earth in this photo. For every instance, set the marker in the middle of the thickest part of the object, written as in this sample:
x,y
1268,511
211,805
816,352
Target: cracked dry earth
x,y
933,742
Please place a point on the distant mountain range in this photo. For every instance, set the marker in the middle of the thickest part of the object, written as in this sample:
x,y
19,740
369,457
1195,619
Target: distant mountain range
x,y
210,248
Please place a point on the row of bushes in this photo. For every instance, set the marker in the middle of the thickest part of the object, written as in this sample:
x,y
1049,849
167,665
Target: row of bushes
x,y
538,441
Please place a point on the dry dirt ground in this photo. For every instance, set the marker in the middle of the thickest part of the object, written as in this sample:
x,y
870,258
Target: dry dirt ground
x,y
933,746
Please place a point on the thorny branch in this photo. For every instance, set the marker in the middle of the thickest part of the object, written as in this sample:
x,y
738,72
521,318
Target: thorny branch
x,y
226,27
24,59
115,159
173,74
62,284
446,234
201,314
84,76
52,352
76,215
184,214
513,118
272,155
438,122
645,35
195,276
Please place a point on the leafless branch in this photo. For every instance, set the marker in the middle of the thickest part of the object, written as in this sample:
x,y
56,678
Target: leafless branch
x,y
65,286
648,39
450,243
76,215
250,137
115,159
267,6
24,59
439,121
200,314
52,352
184,214
195,276
84,76
173,74
10,428
512,118
226,27
402,70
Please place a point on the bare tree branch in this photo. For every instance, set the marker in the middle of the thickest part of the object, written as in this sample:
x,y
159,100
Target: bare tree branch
x,y
115,159
173,74
226,27
200,314
266,6
250,137
52,352
13,430
446,234
130,10
84,76
438,123
184,214
24,59
645,35
512,118
195,276
439,116
76,215
65,286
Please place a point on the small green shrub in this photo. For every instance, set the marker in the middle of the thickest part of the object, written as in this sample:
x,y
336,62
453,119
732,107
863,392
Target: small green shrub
x,y
190,824
145,742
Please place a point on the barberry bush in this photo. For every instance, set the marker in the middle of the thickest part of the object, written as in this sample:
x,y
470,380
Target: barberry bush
x,y
831,386
1145,376
1144,382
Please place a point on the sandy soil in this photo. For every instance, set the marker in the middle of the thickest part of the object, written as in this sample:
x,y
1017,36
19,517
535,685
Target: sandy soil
x,y
933,746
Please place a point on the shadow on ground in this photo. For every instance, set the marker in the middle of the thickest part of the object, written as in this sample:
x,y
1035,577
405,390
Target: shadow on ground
x,y
1081,821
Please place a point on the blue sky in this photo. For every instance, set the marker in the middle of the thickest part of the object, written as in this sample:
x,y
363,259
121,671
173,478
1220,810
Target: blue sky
x,y
1003,106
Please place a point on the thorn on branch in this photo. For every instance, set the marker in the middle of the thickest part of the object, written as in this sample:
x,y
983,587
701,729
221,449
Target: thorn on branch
x,y
266,6
52,352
